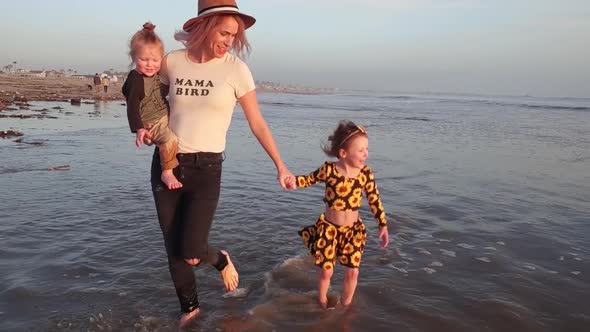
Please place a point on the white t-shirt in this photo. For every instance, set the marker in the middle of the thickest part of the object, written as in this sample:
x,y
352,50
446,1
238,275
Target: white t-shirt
x,y
202,98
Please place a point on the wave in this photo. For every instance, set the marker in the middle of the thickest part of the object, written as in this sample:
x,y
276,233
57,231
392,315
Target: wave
x,y
540,106
412,118
314,106
569,108
501,103
399,97
519,104
21,170
556,105
327,107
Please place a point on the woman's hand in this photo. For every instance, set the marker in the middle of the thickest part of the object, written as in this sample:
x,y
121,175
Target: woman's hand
x,y
384,236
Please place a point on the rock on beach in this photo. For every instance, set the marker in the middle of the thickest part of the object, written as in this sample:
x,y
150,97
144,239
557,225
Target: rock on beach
x,y
10,133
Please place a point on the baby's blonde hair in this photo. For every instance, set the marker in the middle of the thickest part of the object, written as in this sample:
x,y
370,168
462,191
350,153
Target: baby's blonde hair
x,y
145,36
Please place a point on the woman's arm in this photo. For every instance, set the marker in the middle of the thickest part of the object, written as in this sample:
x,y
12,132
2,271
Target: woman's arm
x,y
262,132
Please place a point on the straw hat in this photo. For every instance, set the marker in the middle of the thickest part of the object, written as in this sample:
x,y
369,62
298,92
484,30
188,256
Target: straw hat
x,y
216,7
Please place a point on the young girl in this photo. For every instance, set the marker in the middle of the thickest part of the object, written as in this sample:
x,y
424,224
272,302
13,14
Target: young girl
x,y
339,231
147,109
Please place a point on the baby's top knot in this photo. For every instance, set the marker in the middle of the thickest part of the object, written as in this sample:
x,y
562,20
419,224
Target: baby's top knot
x,y
149,26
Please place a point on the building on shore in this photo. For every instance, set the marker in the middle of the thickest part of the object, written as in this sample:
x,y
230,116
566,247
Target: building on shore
x,y
31,73
51,74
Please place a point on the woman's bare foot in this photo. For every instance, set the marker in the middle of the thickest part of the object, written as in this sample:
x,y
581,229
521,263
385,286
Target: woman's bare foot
x,y
229,275
187,318
170,180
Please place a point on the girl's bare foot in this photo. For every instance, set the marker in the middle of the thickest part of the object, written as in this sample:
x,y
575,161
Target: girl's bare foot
x,y
328,301
323,301
187,318
229,275
170,180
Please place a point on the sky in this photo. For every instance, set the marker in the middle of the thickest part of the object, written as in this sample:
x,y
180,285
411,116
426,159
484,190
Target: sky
x,y
492,47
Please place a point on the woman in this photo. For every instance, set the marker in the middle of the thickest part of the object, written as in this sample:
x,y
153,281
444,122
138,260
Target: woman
x,y
205,81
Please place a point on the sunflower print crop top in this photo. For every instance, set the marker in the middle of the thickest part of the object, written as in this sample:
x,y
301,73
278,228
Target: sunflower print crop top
x,y
345,194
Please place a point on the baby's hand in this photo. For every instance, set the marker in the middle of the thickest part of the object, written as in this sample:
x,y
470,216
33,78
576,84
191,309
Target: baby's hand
x,y
139,136
147,140
384,236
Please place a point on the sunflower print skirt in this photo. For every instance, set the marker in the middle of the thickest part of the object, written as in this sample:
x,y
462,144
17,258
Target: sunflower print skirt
x,y
326,242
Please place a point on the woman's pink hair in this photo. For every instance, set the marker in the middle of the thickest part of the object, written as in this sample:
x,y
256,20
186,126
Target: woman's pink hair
x,y
196,36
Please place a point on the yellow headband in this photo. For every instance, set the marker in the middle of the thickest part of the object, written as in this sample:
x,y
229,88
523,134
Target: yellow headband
x,y
359,129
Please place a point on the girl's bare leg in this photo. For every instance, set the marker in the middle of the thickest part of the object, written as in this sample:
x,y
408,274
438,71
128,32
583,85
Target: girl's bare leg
x,y
324,285
350,280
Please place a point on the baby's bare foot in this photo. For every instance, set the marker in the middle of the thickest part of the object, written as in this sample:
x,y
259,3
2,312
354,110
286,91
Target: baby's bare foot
x,y
170,180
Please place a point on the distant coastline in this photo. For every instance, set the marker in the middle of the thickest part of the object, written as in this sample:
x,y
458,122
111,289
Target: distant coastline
x,y
14,88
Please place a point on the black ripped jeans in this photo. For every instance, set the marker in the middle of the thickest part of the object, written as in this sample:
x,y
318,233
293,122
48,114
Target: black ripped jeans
x,y
185,217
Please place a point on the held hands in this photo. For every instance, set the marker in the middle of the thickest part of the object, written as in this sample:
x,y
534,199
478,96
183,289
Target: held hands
x,y
290,182
384,236
286,179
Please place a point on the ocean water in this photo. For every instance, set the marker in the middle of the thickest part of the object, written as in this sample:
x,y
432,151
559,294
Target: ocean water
x,y
488,201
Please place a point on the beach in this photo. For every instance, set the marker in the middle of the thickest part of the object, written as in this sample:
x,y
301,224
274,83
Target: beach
x,y
22,89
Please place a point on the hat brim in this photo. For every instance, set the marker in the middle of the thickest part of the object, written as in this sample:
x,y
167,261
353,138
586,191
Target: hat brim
x,y
248,20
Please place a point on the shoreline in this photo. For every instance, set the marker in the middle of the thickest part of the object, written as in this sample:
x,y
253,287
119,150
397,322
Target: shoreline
x,y
16,90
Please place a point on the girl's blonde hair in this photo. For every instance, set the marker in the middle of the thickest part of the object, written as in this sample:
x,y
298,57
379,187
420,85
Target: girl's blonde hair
x,y
342,137
196,36
145,36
